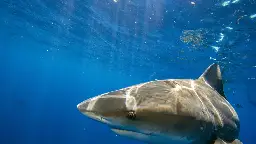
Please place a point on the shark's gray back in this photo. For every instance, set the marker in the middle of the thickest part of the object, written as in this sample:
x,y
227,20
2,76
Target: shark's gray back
x,y
204,109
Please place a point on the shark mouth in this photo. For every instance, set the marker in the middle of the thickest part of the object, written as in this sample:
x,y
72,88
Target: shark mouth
x,y
96,117
120,130
132,134
151,136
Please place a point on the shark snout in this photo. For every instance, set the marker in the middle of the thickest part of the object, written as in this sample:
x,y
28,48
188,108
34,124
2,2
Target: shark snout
x,y
82,107
91,105
103,106
88,108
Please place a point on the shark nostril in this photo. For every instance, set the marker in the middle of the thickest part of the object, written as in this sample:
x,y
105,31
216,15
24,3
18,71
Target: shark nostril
x,y
131,115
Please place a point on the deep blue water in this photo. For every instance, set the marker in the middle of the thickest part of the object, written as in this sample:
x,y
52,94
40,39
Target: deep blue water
x,y
55,54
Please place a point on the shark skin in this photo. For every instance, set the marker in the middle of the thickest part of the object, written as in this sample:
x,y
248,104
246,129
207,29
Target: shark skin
x,y
178,111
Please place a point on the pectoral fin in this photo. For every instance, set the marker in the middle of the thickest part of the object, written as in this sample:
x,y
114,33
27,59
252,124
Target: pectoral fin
x,y
219,141
215,140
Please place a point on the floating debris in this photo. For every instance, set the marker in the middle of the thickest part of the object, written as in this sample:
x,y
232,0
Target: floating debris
x,y
235,1
193,37
225,3
193,3
252,16
211,58
201,38
228,2
238,20
221,38
230,28
215,48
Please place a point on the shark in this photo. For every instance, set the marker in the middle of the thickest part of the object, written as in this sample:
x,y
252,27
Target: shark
x,y
169,111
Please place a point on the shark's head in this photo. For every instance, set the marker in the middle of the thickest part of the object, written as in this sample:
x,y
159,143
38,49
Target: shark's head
x,y
126,115
110,108
116,109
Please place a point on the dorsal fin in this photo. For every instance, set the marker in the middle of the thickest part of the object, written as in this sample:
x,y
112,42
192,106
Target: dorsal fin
x,y
212,76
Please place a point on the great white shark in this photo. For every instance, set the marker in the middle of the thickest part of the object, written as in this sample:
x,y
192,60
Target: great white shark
x,y
171,111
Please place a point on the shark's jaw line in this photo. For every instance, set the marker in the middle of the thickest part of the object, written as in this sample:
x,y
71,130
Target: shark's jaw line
x,y
96,117
152,137
118,129
121,131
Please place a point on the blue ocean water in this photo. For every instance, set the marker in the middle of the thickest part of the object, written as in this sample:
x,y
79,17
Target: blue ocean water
x,y
55,54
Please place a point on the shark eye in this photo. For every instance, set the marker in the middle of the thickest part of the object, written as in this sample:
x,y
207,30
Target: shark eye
x,y
131,115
